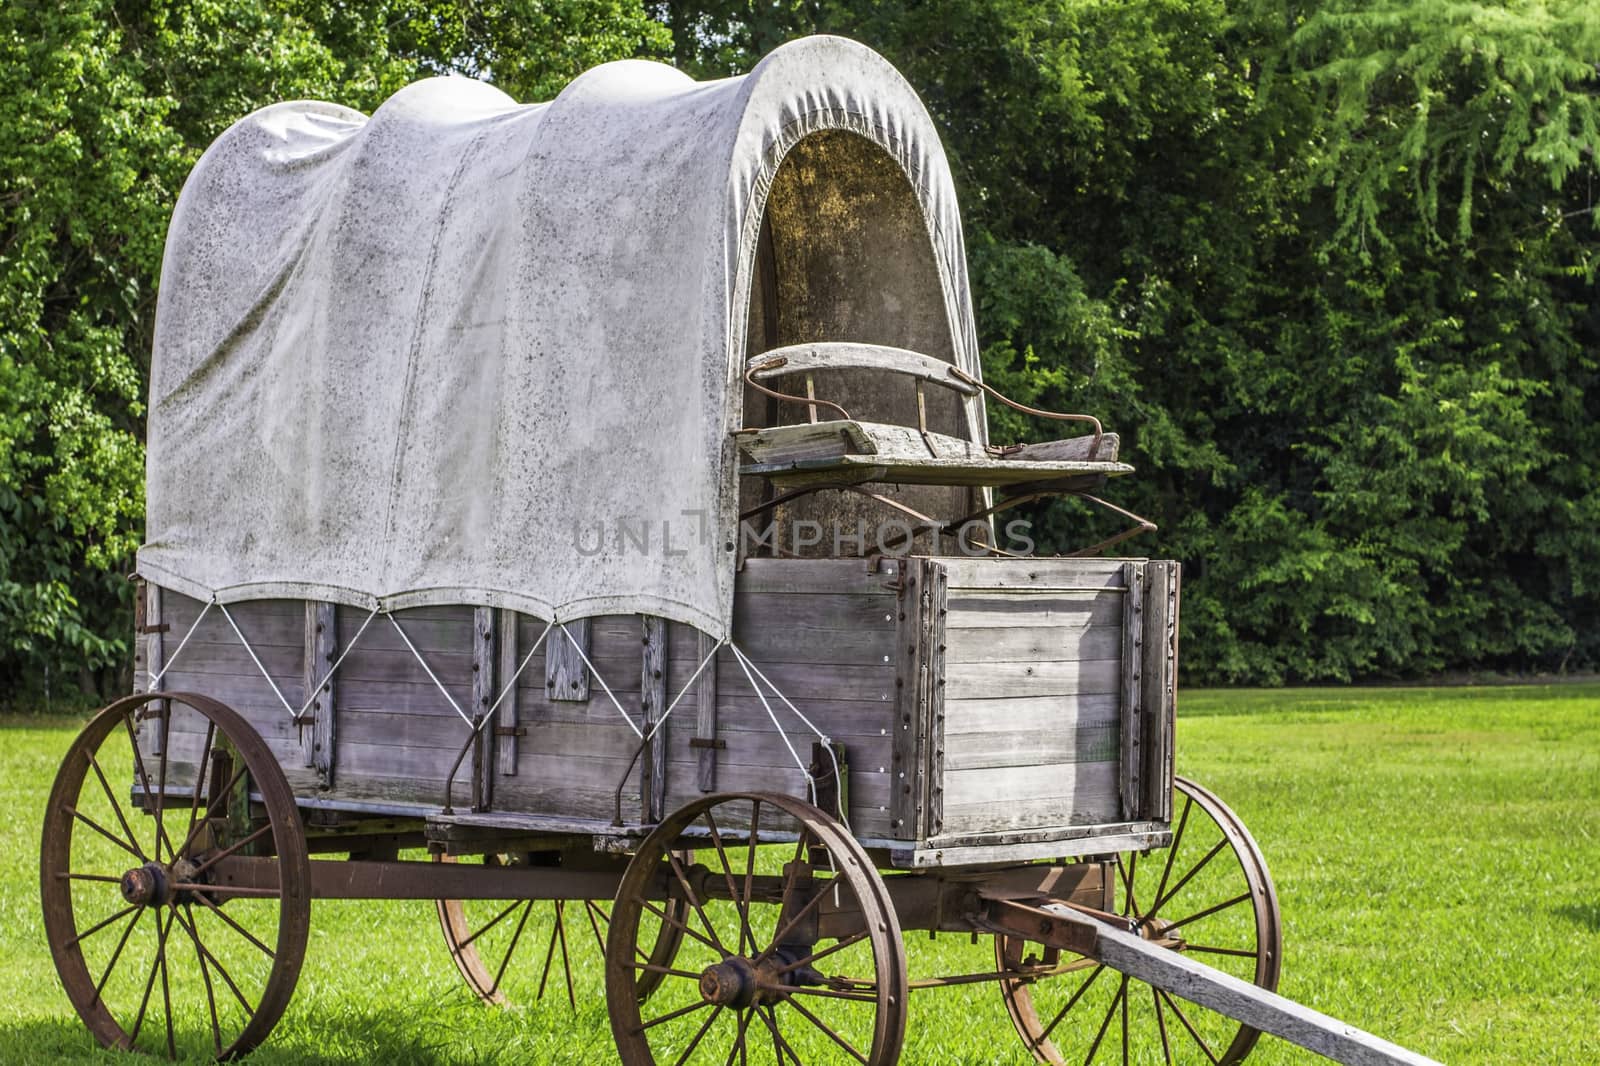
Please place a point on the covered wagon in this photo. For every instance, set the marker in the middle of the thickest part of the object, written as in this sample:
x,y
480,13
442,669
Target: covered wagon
x,y
582,515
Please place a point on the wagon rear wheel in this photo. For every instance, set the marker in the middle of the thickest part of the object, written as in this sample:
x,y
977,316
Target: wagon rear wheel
x,y
153,951
515,952
1208,895
791,952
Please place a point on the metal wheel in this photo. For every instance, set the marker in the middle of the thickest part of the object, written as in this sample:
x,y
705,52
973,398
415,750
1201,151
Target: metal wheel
x,y
791,951
153,954
1209,894
484,935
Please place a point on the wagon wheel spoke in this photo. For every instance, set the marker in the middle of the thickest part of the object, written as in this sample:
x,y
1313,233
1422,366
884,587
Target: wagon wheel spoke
x,y
166,988
1072,1002
665,971
507,950
780,1046
212,806
1105,1023
1161,901
705,1027
1243,897
1161,1024
738,1047
499,975
827,1030
1210,950
144,785
490,924
853,938
186,920
592,909
1212,879
130,847
234,925
1188,1026
93,929
1130,905
116,806
746,937
199,785
161,787
693,899
1172,851
116,953
666,917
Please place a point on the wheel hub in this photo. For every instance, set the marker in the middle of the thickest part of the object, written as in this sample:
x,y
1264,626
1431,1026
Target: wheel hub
x,y
146,886
151,885
1156,930
730,983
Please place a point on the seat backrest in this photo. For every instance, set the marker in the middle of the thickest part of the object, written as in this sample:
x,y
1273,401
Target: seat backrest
x,y
850,355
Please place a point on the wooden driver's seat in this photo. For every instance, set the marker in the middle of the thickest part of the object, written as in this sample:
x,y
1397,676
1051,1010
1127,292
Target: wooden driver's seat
x,y
847,450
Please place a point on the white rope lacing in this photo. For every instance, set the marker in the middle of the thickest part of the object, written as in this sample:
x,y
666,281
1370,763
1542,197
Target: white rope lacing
x,y
429,670
687,685
312,696
276,691
184,643
752,672
827,742
601,678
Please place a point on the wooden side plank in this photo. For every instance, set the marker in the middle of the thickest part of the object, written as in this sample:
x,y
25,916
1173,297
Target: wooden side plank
x,y
905,726
1034,574
1029,747
1031,643
505,727
1000,608
993,680
1037,713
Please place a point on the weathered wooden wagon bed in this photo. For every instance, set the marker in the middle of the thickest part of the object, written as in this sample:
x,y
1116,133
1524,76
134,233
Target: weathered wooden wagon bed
x,y
583,516
977,704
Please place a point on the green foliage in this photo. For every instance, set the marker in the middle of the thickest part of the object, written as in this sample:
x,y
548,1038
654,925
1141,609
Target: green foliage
x,y
107,106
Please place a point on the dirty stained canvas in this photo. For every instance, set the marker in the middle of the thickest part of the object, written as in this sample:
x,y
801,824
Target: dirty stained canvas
x,y
426,356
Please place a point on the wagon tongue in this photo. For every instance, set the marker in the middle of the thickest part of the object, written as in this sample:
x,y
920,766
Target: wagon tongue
x,y
1147,954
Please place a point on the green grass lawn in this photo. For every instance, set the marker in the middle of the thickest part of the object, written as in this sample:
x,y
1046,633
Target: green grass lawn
x,y
1436,853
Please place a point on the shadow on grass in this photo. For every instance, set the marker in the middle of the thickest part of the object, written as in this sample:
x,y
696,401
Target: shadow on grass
x,y
395,1038
1584,914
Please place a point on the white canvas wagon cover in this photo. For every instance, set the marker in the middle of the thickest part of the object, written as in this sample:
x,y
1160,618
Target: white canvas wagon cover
x,y
468,351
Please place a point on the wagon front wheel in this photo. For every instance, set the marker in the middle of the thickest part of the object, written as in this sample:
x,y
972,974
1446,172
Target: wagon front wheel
x,y
791,951
174,879
1208,895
